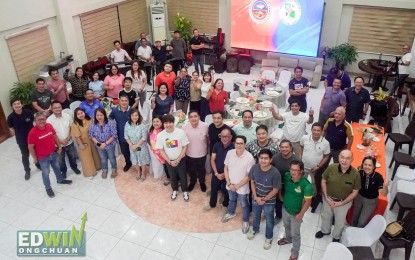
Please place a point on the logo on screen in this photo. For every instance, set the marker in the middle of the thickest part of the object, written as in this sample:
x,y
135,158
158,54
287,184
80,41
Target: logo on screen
x,y
290,12
259,11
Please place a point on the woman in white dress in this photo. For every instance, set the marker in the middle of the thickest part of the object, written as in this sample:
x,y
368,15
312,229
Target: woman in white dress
x,y
204,103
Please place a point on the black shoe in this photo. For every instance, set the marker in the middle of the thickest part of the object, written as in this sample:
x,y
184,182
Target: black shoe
x,y
65,182
126,167
27,176
336,240
321,234
77,171
190,187
203,187
38,165
63,175
50,193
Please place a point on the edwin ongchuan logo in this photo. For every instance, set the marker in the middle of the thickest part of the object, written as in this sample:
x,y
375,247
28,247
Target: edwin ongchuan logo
x,y
52,242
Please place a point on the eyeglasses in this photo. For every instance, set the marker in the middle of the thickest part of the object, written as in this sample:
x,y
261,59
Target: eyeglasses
x,y
239,143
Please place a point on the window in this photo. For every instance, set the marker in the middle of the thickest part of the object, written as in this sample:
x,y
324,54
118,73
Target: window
x,y
385,30
203,14
30,49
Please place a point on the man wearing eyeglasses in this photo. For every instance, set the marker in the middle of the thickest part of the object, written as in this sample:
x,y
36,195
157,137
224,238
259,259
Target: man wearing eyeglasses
x,y
403,68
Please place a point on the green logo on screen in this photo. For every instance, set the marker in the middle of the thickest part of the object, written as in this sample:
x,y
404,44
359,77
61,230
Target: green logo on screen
x,y
52,242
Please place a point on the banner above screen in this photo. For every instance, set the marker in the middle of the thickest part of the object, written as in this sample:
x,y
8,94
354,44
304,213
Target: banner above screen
x,y
286,26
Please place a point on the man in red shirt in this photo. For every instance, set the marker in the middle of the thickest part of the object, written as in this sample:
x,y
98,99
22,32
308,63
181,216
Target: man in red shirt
x,y
44,147
167,76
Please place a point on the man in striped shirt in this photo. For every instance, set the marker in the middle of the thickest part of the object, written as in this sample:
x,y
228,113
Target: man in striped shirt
x,y
265,183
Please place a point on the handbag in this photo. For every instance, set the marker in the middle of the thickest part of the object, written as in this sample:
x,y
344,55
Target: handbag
x,y
395,228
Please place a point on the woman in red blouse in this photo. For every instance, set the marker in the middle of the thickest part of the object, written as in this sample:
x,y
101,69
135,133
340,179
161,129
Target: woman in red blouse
x,y
217,96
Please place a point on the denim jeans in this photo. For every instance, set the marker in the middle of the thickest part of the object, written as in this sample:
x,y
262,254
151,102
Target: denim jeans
x,y
50,160
105,155
24,150
69,150
243,199
198,61
269,216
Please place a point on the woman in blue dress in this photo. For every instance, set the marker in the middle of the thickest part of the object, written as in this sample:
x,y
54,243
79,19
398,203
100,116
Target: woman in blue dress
x,y
135,134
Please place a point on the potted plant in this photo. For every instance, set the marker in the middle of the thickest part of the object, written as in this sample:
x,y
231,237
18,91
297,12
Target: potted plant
x,y
184,26
22,91
344,54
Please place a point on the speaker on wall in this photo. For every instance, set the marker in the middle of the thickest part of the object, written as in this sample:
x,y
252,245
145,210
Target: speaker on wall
x,y
245,63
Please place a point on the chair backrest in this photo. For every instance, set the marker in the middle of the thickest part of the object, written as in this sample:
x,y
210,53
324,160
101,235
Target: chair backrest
x,y
68,111
268,74
409,225
337,251
410,129
284,78
376,227
74,105
146,112
234,95
208,119
391,104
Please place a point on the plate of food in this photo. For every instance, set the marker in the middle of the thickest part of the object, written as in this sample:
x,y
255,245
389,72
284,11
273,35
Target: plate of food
x,y
278,89
376,139
242,100
272,93
368,130
260,114
231,123
361,147
266,103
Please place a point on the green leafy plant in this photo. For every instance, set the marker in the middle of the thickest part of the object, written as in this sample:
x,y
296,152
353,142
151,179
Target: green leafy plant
x,y
22,91
344,54
184,26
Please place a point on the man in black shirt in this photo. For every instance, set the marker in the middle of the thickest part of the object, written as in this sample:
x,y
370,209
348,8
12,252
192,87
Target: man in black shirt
x,y
216,128
197,45
20,122
160,55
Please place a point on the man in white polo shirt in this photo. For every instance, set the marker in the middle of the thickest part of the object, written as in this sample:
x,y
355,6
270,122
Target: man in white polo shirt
x,y
145,54
197,133
119,55
294,123
62,122
315,154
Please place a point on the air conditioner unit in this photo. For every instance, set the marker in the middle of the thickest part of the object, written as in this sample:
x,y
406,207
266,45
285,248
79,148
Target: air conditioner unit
x,y
158,22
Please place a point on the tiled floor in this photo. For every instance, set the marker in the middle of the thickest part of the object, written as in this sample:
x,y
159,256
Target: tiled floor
x,y
115,232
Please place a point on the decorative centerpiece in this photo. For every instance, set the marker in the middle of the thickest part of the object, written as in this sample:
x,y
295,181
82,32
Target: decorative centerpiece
x,y
367,136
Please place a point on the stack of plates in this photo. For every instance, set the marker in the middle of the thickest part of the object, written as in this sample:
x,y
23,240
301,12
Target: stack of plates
x,y
272,93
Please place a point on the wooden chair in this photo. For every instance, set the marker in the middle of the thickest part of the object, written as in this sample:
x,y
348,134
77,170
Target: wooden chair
x,y
392,106
400,139
409,226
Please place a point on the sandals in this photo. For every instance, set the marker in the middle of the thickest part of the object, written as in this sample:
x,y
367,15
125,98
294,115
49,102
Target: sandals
x,y
138,178
166,182
284,241
293,257
143,179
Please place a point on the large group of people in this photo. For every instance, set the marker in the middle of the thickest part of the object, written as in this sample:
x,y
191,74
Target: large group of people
x,y
280,180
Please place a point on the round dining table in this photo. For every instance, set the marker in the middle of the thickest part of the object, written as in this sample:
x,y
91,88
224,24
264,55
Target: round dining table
x,y
277,98
265,116
376,69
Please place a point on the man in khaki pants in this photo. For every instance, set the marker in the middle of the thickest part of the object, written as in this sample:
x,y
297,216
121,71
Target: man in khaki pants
x,y
340,185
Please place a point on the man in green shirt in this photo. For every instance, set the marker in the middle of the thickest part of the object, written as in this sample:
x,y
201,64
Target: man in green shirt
x,y
340,185
297,199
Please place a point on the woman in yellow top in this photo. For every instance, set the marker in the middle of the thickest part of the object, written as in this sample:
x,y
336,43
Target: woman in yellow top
x,y
87,152
195,92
